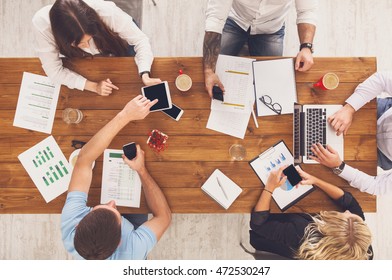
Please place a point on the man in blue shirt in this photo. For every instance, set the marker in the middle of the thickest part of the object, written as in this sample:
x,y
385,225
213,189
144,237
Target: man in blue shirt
x,y
101,232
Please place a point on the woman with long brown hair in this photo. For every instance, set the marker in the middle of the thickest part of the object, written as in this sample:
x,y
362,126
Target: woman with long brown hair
x,y
76,28
329,235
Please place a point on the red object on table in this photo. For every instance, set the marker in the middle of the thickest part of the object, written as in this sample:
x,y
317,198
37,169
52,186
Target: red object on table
x,y
157,140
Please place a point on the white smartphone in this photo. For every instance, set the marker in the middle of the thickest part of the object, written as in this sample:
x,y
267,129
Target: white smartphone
x,y
175,112
161,92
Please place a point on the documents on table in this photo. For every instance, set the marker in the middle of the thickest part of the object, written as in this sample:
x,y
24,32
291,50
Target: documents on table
x,y
119,182
275,78
37,103
47,167
236,75
232,116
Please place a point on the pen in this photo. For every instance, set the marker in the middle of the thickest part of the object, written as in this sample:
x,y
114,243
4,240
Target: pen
x,y
236,72
223,190
233,104
254,118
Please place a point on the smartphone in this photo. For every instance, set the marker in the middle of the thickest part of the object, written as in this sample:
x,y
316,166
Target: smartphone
x,y
217,93
161,92
292,175
175,112
130,150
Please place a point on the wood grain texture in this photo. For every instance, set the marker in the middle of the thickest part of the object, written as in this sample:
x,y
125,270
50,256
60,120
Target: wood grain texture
x,y
194,151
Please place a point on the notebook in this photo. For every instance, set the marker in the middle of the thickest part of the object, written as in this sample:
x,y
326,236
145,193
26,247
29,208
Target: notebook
x,y
221,188
310,126
272,159
275,88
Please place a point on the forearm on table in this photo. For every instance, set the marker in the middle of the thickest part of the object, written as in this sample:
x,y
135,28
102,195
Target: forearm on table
x,y
101,140
156,200
332,191
264,202
211,49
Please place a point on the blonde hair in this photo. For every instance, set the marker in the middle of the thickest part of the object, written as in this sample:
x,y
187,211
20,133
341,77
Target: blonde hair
x,y
332,236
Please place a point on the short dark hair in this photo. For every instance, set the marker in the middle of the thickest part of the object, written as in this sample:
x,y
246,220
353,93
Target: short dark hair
x,y
98,235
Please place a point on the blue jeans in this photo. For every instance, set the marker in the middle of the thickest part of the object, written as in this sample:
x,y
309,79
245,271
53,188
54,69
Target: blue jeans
x,y
383,105
234,38
136,219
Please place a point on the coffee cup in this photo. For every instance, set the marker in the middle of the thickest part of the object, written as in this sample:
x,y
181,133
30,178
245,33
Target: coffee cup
x,y
328,81
183,82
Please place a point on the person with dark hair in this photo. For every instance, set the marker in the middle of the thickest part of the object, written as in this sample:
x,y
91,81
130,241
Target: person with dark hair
x,y
76,28
329,235
101,232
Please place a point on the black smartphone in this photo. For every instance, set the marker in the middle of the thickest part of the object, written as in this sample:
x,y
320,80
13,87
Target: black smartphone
x,y
217,93
175,112
292,175
130,150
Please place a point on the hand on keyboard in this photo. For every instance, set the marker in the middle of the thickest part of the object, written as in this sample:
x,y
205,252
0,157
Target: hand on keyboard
x,y
326,156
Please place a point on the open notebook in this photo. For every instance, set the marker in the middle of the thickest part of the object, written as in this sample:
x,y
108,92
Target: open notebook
x,y
221,188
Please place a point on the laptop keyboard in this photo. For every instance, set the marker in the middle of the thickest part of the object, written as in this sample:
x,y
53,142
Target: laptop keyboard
x,y
297,139
316,128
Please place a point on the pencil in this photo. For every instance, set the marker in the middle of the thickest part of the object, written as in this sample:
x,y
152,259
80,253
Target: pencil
x,y
254,118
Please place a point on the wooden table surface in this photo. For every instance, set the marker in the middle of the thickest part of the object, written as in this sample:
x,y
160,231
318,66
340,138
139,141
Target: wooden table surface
x,y
194,151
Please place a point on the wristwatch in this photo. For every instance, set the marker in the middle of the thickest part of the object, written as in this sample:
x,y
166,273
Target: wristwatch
x,y
306,45
144,72
339,169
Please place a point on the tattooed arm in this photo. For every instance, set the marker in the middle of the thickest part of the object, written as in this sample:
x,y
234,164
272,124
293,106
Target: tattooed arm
x,y
211,49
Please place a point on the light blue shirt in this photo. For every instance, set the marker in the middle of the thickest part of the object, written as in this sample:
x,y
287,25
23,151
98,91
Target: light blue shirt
x,y
134,245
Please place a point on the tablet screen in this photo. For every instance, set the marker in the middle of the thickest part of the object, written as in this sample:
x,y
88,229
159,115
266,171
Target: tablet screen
x,y
157,92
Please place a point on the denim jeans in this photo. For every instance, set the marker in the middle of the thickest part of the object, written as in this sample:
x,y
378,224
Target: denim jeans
x,y
383,105
136,219
234,38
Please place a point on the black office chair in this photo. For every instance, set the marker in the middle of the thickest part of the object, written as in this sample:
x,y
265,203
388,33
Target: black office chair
x,y
262,255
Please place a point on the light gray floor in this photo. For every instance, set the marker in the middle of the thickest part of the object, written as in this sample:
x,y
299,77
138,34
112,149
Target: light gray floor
x,y
176,28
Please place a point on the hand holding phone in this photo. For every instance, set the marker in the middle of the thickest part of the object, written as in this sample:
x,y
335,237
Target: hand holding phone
x,y
130,150
217,93
292,175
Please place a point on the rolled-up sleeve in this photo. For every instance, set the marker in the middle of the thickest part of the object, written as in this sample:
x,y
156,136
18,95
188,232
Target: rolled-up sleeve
x,y
306,11
216,15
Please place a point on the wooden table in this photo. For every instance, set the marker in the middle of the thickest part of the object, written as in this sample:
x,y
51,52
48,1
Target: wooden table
x,y
194,151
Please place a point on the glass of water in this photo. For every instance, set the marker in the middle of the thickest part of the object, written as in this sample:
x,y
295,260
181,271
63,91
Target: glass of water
x,y
72,116
237,152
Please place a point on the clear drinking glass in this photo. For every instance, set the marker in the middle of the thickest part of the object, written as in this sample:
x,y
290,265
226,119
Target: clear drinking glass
x,y
237,152
72,116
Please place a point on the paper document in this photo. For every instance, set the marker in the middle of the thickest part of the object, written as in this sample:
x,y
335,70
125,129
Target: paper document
x,y
234,124
236,75
48,168
119,182
273,159
37,103
274,81
221,188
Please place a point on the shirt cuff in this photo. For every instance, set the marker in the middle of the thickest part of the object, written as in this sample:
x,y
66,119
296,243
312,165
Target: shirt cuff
x,y
215,25
348,173
80,83
355,101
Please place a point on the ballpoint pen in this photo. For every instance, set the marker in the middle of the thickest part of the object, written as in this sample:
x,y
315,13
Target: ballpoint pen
x,y
223,190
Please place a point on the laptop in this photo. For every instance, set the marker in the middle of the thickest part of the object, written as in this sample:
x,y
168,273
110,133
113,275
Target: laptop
x,y
310,126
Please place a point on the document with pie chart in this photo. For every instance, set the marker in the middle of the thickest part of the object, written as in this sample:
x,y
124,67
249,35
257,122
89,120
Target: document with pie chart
x,y
272,159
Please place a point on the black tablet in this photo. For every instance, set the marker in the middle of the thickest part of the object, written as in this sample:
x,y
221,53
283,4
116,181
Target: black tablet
x,y
162,93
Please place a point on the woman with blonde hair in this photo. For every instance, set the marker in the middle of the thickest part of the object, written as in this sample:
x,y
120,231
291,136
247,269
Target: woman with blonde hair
x,y
330,235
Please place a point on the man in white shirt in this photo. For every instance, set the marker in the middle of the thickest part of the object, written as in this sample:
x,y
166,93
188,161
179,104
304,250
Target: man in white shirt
x,y
341,121
261,23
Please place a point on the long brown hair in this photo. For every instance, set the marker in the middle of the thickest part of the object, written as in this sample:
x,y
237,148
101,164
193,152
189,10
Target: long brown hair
x,y
72,19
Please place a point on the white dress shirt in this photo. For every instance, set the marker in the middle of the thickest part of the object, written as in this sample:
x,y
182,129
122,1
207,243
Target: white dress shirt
x,y
365,92
116,19
262,16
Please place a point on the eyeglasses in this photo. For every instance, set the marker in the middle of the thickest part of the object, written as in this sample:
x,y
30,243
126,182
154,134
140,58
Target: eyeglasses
x,y
77,144
267,101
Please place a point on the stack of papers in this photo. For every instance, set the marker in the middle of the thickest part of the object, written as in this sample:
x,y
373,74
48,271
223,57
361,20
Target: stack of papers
x,y
232,116
221,188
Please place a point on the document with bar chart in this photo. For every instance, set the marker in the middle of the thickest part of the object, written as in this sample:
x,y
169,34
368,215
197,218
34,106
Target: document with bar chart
x,y
47,167
119,182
